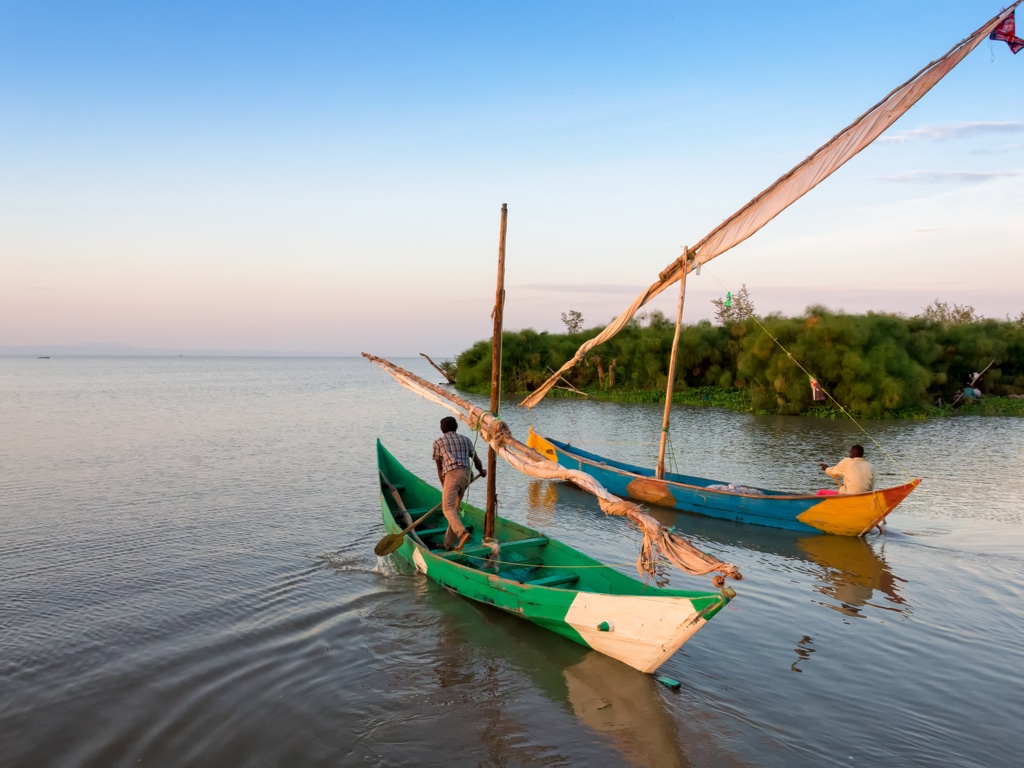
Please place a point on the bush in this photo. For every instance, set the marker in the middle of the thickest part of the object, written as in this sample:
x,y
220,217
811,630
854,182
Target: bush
x,y
876,365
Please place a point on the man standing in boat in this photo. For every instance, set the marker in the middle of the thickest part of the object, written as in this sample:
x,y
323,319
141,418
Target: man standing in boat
x,y
854,474
453,453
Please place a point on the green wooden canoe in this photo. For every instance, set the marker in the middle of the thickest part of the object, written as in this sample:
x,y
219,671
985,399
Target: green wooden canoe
x,y
543,580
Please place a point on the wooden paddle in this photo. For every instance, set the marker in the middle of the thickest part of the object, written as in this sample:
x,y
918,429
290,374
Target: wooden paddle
x,y
393,541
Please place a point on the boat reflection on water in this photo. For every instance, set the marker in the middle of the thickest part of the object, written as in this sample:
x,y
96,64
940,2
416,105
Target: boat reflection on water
x,y
484,650
852,572
541,497
847,570
610,698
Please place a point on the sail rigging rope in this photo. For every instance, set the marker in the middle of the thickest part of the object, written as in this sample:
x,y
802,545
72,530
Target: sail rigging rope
x,y
838,405
545,566
476,440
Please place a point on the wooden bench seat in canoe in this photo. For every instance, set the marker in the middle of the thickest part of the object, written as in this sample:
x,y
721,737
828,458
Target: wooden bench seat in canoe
x,y
426,534
482,550
556,580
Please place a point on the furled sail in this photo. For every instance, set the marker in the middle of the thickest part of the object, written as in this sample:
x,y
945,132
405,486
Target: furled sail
x,y
658,540
792,186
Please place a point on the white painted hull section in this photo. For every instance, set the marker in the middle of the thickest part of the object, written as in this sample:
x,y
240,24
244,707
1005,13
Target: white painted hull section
x,y
419,561
644,631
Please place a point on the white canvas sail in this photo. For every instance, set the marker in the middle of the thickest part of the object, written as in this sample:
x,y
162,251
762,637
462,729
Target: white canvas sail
x,y
792,186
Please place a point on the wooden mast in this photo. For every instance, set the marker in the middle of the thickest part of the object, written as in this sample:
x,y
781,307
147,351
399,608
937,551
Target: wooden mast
x,y
499,307
659,469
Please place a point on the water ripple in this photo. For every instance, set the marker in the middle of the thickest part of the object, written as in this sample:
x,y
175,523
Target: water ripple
x,y
190,580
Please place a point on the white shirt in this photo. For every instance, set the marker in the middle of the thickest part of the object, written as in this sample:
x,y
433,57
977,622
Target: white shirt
x,y
854,475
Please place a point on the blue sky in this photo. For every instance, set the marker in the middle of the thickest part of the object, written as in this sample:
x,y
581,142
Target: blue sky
x,y
327,177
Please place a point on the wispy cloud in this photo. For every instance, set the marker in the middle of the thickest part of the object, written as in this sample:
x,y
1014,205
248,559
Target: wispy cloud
x,y
948,177
1003,150
952,132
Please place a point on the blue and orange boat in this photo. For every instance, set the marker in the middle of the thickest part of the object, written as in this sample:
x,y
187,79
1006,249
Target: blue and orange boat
x,y
853,514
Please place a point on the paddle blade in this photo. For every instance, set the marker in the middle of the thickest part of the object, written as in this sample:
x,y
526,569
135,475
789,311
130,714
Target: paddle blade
x,y
388,544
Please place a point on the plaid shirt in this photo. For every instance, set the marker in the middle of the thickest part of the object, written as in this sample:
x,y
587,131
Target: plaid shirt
x,y
454,451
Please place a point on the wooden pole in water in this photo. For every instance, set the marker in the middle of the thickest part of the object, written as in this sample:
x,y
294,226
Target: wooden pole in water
x,y
438,368
498,316
659,469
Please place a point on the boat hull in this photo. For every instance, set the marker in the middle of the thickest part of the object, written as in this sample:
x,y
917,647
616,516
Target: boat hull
x,y
842,515
639,624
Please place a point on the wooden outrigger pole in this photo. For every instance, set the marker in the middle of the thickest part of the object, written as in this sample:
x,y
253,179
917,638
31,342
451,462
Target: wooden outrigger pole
x,y
438,368
659,468
499,308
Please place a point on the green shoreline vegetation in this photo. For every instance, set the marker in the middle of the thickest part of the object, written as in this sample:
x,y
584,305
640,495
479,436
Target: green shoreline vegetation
x,y
876,365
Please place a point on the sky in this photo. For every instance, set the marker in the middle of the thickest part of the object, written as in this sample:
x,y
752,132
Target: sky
x,y
326,178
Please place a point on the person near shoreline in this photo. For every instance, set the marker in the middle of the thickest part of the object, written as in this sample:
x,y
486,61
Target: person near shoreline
x,y
854,473
452,454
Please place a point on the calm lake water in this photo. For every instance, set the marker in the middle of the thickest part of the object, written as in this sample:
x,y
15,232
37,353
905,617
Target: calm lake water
x,y
189,580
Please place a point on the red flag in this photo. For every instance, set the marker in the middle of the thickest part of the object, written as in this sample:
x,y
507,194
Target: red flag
x,y
817,393
1007,31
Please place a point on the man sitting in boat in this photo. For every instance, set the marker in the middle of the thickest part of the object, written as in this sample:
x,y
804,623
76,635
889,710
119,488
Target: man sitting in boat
x,y
854,474
452,453
972,391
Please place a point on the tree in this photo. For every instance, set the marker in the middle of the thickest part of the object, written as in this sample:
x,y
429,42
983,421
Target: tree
x,y
735,307
950,314
573,321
